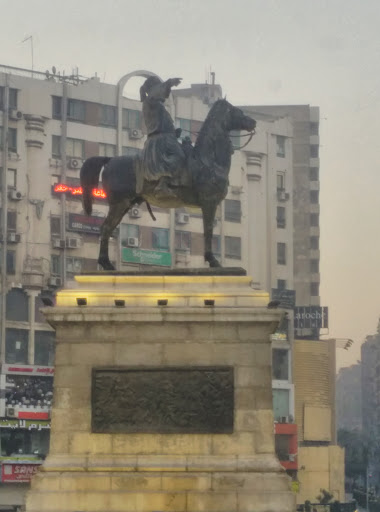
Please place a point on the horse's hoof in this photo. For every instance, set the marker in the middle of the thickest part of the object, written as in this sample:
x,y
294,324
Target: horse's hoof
x,y
106,264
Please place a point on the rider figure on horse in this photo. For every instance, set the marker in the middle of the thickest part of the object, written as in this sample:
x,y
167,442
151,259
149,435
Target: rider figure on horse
x,y
164,159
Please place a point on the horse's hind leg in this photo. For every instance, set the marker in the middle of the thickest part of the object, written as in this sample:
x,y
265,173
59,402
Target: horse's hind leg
x,y
208,211
115,213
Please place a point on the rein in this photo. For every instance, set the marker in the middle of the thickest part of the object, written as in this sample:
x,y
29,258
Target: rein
x,y
250,135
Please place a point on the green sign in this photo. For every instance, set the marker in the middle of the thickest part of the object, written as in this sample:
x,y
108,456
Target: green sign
x,y
27,424
144,257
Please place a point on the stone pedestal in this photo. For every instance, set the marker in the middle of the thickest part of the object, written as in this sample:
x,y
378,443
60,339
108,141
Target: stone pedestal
x,y
217,327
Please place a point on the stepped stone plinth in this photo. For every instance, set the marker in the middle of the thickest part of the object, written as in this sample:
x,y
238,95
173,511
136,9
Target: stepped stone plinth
x,y
162,397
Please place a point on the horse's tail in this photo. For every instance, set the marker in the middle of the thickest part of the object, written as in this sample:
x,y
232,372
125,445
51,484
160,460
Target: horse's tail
x,y
89,179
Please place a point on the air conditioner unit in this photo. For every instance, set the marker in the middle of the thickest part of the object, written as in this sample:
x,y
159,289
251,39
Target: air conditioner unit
x,y
183,218
74,163
135,133
135,212
11,412
15,115
13,238
15,195
57,243
132,242
282,195
292,457
73,243
55,281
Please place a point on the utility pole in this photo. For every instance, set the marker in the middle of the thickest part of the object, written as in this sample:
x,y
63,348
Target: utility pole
x,y
4,217
64,167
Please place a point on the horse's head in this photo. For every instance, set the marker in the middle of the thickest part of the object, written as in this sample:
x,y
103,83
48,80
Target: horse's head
x,y
237,120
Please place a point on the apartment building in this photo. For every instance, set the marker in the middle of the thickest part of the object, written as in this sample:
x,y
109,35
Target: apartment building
x,y
320,459
53,124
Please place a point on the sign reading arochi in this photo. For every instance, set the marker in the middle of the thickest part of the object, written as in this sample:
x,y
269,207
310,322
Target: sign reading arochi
x,y
311,317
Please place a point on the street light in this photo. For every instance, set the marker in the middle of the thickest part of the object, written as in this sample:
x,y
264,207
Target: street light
x,y
344,343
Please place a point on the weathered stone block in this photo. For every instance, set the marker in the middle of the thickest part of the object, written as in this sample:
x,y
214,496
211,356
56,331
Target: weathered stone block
x,y
70,376
213,502
92,354
136,482
85,443
131,354
235,444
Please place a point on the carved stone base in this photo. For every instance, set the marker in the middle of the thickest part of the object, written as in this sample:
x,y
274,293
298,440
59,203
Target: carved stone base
x,y
134,465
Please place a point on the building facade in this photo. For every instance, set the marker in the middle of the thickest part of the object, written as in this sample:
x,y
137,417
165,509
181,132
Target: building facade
x,y
320,459
54,123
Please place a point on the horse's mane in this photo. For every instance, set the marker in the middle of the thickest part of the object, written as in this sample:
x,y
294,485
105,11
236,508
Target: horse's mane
x,y
216,114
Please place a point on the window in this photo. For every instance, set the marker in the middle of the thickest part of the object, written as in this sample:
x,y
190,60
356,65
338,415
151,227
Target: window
x,y
44,348
281,219
12,139
55,264
280,364
314,196
232,247
314,289
11,178
160,239
281,404
76,110
108,116
216,244
74,265
129,231
280,181
232,210
11,262
57,107
282,446
314,243
314,150
17,305
16,346
314,266
183,240
12,98
314,219
128,151
55,226
131,119
281,284
281,253
107,150
11,219
74,147
56,146
314,128
314,173
185,125
280,146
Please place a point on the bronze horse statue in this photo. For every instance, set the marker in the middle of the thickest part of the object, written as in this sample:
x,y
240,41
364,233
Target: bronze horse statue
x,y
208,166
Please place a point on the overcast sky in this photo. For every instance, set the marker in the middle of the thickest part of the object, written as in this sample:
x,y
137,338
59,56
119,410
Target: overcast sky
x,y
318,52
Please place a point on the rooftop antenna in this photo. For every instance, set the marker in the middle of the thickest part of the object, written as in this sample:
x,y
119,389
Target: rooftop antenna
x,y
31,47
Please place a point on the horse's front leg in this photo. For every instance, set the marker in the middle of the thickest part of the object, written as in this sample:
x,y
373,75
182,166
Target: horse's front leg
x,y
208,211
115,214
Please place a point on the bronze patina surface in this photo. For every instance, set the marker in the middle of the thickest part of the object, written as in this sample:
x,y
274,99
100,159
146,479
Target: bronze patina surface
x,y
163,400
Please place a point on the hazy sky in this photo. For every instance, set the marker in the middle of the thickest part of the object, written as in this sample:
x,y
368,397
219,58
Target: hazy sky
x,y
318,52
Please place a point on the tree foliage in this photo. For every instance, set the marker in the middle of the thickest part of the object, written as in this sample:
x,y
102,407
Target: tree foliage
x,y
356,452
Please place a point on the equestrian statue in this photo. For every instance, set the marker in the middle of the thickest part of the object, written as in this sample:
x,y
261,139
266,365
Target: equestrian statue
x,y
168,173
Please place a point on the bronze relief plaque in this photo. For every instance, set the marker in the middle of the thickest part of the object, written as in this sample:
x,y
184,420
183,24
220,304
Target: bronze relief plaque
x,y
163,400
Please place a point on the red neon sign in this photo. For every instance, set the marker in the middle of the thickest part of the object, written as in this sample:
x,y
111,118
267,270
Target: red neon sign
x,y
61,188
